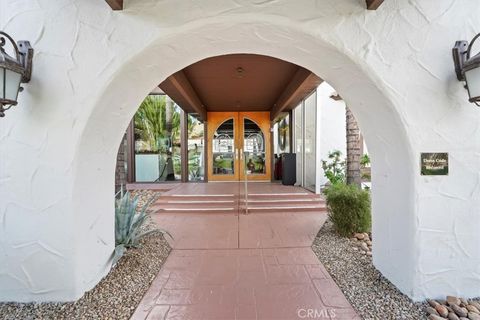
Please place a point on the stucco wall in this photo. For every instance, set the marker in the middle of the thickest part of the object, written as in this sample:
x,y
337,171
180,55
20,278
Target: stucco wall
x,y
93,66
331,126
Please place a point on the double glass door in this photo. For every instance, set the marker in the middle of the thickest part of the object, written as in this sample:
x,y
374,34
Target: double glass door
x,y
239,145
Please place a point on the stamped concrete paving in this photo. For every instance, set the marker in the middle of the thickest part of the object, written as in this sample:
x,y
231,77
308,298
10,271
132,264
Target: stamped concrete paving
x,y
237,266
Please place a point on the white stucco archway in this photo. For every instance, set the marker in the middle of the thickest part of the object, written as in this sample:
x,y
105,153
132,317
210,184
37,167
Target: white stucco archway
x,y
93,67
393,210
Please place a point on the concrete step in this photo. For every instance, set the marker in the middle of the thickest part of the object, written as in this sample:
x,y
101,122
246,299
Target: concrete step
x,y
217,210
283,202
195,203
274,196
271,208
231,203
196,197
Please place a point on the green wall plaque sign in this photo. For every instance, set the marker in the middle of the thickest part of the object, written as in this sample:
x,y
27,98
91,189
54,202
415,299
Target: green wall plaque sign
x,y
434,164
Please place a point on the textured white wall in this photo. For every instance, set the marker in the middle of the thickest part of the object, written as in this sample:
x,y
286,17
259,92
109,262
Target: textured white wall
x,y
331,127
93,67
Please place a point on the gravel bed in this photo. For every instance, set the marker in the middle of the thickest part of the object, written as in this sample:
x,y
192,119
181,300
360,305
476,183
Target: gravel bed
x,y
371,294
144,196
116,296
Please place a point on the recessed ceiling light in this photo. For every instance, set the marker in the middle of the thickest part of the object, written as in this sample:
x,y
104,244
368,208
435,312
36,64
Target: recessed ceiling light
x,y
240,72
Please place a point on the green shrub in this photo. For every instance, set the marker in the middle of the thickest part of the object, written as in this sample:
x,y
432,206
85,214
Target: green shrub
x,y
349,208
334,167
365,160
129,222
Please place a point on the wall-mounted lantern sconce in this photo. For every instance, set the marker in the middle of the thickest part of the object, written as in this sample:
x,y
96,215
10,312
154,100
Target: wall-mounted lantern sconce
x,y
13,71
467,68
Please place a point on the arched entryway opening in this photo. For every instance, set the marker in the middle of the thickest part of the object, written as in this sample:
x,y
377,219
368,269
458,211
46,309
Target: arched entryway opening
x,y
359,85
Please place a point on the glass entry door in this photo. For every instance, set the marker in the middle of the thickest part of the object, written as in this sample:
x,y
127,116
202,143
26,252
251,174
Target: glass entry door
x,y
239,145
223,149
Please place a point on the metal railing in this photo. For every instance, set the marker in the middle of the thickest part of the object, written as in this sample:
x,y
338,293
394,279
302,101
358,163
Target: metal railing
x,y
246,181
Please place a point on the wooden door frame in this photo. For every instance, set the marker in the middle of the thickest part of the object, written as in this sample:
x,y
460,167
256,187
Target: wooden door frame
x,y
262,119
215,119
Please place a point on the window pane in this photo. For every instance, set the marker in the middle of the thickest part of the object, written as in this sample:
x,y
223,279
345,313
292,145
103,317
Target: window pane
x,y
310,142
299,142
281,143
282,135
223,145
196,149
253,148
157,140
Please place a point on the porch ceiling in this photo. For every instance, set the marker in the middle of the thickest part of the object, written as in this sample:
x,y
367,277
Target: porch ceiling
x,y
240,82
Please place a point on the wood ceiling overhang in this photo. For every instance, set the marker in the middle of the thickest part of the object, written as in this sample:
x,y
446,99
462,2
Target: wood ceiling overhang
x,y
373,4
118,4
240,82
302,84
115,4
178,87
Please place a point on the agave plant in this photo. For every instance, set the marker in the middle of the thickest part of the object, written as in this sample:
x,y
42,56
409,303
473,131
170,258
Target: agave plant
x,y
129,222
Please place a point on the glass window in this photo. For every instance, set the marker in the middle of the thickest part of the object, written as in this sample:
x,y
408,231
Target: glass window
x,y
309,157
281,143
223,146
157,140
305,118
282,135
196,149
253,148
298,113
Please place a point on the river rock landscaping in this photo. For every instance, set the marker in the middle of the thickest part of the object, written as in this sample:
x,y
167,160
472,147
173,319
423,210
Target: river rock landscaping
x,y
453,308
373,296
350,265
363,243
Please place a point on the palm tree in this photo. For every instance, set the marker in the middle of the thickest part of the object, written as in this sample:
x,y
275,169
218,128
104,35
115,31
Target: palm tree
x,y
157,126
169,112
150,122
353,149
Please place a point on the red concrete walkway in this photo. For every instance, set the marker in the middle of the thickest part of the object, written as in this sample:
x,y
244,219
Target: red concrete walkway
x,y
236,266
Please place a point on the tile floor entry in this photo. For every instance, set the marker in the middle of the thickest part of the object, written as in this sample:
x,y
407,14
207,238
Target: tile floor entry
x,y
228,265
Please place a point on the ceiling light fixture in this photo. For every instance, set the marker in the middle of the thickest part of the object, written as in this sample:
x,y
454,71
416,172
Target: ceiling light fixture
x,y
240,72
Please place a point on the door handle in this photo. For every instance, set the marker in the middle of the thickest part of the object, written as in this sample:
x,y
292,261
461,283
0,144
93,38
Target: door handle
x,y
241,154
236,154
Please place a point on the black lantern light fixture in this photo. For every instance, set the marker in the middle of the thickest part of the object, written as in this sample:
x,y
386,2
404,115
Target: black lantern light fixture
x,y
13,70
467,68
